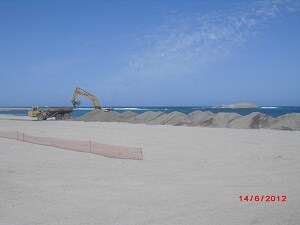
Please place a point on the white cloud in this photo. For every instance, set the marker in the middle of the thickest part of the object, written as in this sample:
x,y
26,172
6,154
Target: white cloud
x,y
186,43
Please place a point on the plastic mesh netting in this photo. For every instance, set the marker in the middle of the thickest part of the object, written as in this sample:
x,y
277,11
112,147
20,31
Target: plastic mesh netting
x,y
106,150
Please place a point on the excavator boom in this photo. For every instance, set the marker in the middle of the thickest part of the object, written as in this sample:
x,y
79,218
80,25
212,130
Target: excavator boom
x,y
78,91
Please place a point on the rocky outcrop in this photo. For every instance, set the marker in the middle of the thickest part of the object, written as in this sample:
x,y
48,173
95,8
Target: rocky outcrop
x,y
238,105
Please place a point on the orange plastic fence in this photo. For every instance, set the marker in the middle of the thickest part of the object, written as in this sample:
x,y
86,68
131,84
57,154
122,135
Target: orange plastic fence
x,y
106,150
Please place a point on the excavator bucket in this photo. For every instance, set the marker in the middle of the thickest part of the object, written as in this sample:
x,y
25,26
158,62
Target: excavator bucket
x,y
76,103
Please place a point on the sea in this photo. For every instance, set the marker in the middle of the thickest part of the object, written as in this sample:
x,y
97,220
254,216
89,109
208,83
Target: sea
x,y
273,111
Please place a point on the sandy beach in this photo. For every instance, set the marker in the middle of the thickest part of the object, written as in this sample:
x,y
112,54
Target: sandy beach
x,y
189,175
150,112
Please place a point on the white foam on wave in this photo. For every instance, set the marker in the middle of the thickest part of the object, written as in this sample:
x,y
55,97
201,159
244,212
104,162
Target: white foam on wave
x,y
129,108
268,107
83,108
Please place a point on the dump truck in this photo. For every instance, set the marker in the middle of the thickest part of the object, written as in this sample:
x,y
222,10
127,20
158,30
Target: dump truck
x,y
60,113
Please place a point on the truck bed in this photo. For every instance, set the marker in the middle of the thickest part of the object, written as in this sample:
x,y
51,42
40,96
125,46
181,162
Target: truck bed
x,y
60,109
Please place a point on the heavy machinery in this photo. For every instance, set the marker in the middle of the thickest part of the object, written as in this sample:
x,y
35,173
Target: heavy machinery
x,y
78,91
57,112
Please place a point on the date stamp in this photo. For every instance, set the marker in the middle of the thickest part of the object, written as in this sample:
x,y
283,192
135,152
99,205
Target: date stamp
x,y
263,198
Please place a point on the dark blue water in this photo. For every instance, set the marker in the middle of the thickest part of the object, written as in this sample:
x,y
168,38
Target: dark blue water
x,y
271,111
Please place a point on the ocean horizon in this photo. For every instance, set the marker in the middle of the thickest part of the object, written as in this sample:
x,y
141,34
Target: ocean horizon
x,y
273,111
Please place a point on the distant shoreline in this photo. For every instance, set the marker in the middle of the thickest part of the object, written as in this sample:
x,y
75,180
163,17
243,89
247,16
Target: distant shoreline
x,y
13,108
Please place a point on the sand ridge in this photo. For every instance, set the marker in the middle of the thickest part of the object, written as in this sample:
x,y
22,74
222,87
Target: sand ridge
x,y
254,120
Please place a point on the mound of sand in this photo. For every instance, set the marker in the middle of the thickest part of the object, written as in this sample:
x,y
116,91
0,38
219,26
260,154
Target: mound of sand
x,y
224,119
287,122
254,120
99,116
174,118
88,116
200,118
124,116
145,117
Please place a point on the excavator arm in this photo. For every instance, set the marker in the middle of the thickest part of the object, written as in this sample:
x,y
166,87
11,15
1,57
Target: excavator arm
x,y
78,91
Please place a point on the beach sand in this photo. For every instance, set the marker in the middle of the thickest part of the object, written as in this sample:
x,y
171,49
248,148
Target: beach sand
x,y
189,175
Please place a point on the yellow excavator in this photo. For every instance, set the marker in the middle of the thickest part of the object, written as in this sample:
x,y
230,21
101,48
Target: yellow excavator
x,y
78,91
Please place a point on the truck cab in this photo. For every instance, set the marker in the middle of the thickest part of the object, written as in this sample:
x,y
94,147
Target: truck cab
x,y
37,112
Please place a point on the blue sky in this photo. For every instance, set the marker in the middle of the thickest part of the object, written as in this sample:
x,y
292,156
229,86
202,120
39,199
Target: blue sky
x,y
150,53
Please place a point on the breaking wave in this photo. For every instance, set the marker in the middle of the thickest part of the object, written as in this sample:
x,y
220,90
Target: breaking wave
x,y
130,108
83,108
268,107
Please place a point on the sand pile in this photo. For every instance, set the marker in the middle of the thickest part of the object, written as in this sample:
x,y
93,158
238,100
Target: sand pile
x,y
287,122
224,119
145,117
109,116
174,118
124,116
254,120
98,115
200,118
89,116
